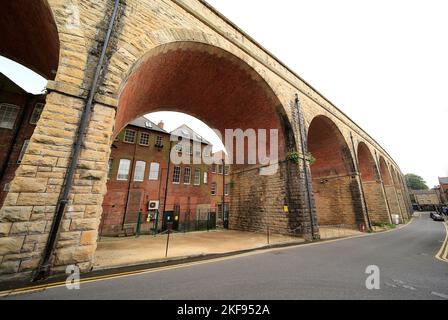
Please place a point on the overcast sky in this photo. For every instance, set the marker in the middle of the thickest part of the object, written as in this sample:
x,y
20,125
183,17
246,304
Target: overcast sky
x,y
383,63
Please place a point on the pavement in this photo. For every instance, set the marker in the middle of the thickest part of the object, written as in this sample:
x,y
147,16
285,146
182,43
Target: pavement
x,y
118,252
335,269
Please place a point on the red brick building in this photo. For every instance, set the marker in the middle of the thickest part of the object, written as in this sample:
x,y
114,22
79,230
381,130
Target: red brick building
x,y
142,171
19,113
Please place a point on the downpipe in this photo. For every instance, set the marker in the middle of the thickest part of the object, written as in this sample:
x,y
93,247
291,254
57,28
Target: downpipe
x,y
44,268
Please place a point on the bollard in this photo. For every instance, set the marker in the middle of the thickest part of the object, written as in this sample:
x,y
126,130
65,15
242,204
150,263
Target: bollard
x,y
139,222
170,227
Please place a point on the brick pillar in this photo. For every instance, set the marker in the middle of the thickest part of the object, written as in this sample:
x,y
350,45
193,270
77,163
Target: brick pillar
x,y
376,202
29,208
338,201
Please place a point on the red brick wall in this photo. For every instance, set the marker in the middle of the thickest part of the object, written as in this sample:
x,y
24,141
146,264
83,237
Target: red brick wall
x,y
25,131
188,197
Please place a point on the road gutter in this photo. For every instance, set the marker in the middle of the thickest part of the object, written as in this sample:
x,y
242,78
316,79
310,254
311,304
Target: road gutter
x,y
175,263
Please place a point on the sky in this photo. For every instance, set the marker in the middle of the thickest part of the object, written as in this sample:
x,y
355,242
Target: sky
x,y
383,63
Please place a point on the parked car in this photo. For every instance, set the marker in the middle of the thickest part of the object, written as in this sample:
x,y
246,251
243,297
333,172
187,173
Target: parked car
x,y
436,216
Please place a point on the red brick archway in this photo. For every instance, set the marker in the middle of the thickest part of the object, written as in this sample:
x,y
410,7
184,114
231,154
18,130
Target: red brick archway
x,y
223,91
371,182
32,42
336,190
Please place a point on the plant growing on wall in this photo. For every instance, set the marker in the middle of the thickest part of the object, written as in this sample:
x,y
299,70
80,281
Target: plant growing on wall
x,y
293,157
311,158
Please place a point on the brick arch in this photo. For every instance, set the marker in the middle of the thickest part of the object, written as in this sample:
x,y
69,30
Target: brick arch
x,y
367,164
225,92
34,43
390,189
132,52
203,81
373,191
336,189
385,172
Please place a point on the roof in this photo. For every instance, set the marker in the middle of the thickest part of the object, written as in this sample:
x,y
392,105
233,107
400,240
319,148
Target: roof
x,y
186,132
443,180
143,122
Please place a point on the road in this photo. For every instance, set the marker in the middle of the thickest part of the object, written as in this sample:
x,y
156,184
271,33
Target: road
x,y
326,270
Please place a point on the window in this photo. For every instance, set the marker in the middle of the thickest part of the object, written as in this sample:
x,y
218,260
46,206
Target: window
x,y
154,171
226,189
129,136
219,169
188,147
187,175
176,175
213,189
109,168
213,167
159,141
205,177
23,150
8,115
226,170
178,147
144,139
139,173
197,177
123,169
36,113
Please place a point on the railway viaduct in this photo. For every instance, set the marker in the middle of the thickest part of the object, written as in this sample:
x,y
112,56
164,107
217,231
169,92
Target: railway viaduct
x,y
108,62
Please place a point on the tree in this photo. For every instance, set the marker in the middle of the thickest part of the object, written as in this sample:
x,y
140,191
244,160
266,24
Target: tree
x,y
415,182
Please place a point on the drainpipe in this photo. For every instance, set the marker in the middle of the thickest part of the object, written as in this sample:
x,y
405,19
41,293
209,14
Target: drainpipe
x,y
131,177
167,180
45,264
363,195
305,164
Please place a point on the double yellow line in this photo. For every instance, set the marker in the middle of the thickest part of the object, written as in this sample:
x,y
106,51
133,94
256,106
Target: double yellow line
x,y
52,285
442,255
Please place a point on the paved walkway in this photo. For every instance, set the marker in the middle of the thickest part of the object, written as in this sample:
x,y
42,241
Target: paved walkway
x,y
113,252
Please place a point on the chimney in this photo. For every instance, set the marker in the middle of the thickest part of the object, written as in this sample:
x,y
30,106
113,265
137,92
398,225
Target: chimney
x,y
160,124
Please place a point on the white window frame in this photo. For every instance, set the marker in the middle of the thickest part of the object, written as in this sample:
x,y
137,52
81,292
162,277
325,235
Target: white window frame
x,y
213,188
23,150
176,174
120,168
153,173
205,177
139,167
220,169
8,125
213,167
36,113
226,169
187,175
140,138
197,177
125,133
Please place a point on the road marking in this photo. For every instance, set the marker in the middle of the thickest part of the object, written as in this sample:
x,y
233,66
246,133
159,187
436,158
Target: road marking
x,y
441,295
442,254
59,284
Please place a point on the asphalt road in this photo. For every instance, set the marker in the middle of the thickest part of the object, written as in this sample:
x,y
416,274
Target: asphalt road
x,y
331,270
